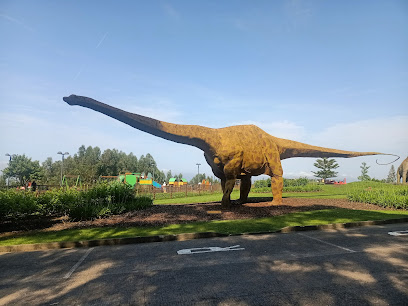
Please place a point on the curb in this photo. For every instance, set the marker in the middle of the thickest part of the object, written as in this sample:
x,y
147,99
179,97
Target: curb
x,y
183,237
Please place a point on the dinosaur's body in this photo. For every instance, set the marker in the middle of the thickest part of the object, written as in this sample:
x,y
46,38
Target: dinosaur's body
x,y
232,152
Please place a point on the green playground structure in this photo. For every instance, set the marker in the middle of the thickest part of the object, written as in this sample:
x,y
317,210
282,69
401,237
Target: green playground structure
x,y
138,178
177,183
71,179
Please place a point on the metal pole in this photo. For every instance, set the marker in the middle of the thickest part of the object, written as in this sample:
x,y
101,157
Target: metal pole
x,y
152,165
62,164
8,180
198,177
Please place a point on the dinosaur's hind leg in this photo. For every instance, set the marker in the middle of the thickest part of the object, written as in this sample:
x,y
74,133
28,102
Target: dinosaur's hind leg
x,y
274,170
245,188
277,189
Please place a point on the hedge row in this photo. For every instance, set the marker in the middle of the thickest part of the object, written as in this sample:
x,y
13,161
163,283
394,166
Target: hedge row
x,y
286,182
385,195
102,200
306,188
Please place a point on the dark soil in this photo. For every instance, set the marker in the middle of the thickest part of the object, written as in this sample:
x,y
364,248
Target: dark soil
x,y
173,214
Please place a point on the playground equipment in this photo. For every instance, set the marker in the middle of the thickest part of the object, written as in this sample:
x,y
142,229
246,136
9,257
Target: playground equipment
x,y
108,177
205,183
138,178
177,183
341,182
328,182
76,178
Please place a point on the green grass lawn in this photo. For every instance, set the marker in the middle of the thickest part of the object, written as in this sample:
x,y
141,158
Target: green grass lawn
x,y
317,217
271,224
328,192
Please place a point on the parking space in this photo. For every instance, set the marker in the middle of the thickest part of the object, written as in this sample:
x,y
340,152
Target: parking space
x,y
361,265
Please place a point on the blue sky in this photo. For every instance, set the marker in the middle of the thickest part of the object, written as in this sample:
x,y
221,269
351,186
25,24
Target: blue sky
x,y
328,73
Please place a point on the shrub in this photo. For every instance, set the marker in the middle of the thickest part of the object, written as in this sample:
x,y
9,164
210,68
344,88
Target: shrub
x,y
307,188
17,203
302,181
262,183
385,195
107,199
100,201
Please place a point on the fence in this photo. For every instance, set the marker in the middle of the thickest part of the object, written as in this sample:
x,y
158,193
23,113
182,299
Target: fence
x,y
166,192
170,191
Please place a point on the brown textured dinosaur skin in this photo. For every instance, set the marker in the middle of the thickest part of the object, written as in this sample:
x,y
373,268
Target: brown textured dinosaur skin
x,y
402,172
233,152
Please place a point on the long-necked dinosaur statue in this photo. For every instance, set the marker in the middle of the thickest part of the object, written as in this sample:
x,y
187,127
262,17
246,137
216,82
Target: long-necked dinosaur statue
x,y
233,152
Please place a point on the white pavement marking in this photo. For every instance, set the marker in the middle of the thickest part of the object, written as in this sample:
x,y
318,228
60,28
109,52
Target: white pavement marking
x,y
209,250
66,276
398,233
335,245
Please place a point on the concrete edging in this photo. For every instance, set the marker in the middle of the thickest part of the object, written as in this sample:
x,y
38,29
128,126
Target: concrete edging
x,y
183,237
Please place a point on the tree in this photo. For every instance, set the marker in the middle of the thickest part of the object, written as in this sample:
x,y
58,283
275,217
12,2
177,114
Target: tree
x,y
109,162
178,177
198,178
364,172
127,163
85,163
392,176
168,176
326,165
52,171
2,180
23,169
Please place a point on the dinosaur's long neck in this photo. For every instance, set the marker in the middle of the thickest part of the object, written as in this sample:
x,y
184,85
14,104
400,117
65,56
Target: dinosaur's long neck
x,y
198,136
290,148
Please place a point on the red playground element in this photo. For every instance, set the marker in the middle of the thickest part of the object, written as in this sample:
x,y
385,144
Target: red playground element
x,y
328,182
341,182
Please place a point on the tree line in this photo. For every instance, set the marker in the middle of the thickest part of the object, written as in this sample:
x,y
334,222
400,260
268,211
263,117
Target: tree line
x,y
327,167
90,163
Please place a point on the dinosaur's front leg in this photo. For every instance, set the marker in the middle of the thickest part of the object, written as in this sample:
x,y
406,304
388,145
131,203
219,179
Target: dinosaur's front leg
x,y
231,171
223,181
226,198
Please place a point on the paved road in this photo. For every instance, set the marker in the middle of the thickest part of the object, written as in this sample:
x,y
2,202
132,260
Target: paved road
x,y
360,266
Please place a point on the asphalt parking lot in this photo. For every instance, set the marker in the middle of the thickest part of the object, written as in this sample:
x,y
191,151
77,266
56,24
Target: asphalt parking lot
x,y
358,266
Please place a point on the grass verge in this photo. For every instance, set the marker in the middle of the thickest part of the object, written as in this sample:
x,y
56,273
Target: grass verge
x,y
317,217
328,192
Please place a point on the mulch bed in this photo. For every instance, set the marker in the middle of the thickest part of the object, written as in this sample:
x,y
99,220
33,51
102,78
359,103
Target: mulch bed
x,y
160,215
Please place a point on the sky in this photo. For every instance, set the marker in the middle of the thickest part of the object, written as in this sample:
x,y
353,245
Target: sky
x,y
326,73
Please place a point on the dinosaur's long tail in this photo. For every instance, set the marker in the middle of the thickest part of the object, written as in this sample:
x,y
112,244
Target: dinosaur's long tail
x,y
188,134
290,148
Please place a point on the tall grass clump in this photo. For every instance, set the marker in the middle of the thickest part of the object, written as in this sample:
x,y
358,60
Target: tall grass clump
x,y
381,194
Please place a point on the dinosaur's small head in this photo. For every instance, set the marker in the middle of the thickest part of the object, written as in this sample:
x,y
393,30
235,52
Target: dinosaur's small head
x,y
71,100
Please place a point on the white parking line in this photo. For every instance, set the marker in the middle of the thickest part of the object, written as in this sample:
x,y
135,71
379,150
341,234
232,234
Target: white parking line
x,y
335,245
209,250
66,276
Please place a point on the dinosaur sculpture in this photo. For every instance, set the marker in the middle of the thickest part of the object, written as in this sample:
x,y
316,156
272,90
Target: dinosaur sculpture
x,y
232,152
402,172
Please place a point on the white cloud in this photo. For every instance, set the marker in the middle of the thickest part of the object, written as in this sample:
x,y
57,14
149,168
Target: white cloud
x,y
17,21
171,11
387,135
